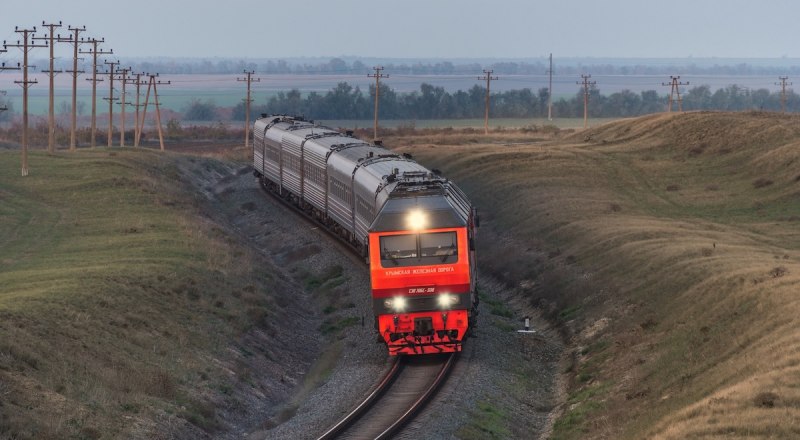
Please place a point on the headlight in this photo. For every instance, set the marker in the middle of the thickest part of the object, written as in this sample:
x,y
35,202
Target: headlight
x,y
417,220
398,303
447,300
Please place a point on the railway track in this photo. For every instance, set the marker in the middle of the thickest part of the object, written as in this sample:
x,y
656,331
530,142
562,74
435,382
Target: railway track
x,y
387,408
398,397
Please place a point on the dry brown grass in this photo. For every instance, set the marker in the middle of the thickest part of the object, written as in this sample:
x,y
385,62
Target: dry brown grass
x,y
667,227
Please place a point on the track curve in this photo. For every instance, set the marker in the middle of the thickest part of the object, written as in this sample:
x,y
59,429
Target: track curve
x,y
411,383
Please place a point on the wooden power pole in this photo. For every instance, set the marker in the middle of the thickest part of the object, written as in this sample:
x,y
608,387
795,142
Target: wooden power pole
x,y
2,68
94,51
51,114
783,85
137,81
124,79
153,83
550,91
26,47
489,78
75,72
675,92
377,75
586,84
111,98
249,79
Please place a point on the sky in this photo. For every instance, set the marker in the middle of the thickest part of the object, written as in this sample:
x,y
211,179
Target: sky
x,y
443,29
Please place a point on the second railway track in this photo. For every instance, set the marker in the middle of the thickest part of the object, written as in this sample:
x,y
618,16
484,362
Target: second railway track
x,y
407,387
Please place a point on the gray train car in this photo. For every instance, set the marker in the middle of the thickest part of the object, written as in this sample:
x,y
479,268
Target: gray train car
x,y
340,179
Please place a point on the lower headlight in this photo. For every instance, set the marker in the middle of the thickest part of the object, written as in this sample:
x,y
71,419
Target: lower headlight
x,y
398,303
447,300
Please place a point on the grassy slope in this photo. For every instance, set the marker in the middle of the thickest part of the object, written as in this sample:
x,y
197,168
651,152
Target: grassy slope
x,y
671,246
115,297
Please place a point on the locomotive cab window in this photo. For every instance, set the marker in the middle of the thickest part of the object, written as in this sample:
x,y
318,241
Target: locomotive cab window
x,y
419,249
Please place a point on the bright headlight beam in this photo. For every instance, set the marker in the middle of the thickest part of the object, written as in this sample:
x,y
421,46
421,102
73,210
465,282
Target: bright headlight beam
x,y
417,220
446,300
398,303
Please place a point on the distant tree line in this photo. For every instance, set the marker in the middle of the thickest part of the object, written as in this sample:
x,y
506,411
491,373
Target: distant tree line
x,y
431,102
356,66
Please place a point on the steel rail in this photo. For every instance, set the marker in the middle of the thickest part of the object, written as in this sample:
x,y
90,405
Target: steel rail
x,y
420,402
354,415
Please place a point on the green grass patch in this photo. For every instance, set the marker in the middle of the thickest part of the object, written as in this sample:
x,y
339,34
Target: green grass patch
x,y
504,325
336,325
487,421
568,313
114,294
582,403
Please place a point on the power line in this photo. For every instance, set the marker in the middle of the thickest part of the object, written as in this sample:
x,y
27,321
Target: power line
x,y
249,79
377,75
95,52
25,83
586,83
50,39
75,72
488,77
674,91
783,85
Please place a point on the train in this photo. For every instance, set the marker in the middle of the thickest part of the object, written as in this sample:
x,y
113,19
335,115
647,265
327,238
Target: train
x,y
414,228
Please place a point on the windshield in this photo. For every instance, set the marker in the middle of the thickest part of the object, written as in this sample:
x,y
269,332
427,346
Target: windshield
x,y
419,249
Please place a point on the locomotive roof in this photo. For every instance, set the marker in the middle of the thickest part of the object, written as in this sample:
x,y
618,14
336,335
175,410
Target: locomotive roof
x,y
438,209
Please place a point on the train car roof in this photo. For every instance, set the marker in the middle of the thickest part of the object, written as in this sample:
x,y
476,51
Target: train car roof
x,y
438,211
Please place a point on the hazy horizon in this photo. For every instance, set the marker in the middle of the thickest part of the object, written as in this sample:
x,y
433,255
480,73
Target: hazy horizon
x,y
418,29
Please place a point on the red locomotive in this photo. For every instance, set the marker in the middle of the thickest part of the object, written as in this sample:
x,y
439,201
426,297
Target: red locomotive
x,y
415,228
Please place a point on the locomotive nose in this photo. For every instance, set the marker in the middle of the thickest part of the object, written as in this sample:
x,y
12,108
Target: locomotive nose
x,y
423,326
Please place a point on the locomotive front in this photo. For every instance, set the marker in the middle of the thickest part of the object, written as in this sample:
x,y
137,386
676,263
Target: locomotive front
x,y
422,267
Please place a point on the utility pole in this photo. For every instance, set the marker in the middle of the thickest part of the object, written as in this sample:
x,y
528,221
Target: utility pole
x,y
674,91
249,79
153,83
586,83
377,75
783,85
111,98
25,83
3,67
75,72
51,115
124,79
138,83
489,78
550,91
95,52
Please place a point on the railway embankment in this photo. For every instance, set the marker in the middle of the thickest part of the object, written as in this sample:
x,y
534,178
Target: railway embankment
x,y
666,249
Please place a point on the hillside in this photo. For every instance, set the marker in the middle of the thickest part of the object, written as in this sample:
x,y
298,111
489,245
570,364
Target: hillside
x,y
127,307
668,247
